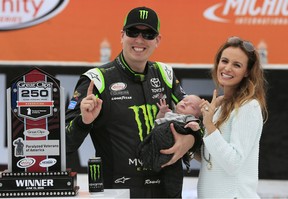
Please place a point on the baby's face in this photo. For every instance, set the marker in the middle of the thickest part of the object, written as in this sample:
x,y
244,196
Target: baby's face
x,y
189,105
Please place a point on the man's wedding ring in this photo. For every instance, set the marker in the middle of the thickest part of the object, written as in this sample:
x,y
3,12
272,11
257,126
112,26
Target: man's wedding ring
x,y
206,108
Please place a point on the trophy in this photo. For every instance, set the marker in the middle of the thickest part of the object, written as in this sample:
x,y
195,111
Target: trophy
x,y
36,139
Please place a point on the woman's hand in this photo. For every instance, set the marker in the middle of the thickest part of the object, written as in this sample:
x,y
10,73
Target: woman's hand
x,y
208,110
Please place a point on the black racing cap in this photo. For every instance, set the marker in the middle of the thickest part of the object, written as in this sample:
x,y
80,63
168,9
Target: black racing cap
x,y
142,16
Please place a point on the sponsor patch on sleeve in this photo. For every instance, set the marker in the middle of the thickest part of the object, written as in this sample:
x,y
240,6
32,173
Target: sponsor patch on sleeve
x,y
76,95
72,104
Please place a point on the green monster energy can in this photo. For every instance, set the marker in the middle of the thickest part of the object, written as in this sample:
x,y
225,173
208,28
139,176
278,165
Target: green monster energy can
x,y
95,175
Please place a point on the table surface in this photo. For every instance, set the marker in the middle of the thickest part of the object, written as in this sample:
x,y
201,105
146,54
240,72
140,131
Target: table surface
x,y
82,181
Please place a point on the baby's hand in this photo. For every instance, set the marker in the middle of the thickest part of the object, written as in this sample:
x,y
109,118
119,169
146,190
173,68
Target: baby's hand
x,y
193,125
163,107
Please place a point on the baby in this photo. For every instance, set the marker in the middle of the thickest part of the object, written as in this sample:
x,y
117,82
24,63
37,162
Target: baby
x,y
186,121
186,111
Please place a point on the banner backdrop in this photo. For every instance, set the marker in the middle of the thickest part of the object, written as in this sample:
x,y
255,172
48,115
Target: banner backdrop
x,y
192,30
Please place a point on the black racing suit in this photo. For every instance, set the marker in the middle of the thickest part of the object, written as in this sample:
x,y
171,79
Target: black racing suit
x,y
127,116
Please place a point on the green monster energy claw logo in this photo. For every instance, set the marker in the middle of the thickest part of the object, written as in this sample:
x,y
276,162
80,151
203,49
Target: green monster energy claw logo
x,y
143,14
94,171
149,113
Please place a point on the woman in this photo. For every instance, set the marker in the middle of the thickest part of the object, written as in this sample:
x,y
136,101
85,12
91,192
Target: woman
x,y
233,124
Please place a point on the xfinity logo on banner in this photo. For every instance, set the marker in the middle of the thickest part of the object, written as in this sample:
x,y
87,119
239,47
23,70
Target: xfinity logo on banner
x,y
16,14
249,12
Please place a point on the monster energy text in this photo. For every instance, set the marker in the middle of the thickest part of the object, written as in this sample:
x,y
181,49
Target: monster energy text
x,y
95,175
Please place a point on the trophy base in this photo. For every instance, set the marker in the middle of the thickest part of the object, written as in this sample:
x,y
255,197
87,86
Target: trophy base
x,y
38,184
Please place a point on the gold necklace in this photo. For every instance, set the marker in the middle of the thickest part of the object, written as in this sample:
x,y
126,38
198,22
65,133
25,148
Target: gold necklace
x,y
208,161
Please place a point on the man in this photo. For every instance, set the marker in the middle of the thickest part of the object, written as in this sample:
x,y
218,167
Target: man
x,y
123,112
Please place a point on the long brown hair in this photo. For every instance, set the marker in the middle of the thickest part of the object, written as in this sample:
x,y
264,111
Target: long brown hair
x,y
251,87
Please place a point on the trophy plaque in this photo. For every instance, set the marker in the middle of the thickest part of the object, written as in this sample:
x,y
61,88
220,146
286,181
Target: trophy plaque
x,y
36,139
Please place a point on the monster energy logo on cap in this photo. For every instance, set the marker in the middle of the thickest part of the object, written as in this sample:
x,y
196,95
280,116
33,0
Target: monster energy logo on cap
x,y
142,16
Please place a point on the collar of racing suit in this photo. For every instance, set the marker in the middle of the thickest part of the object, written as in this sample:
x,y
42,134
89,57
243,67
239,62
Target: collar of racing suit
x,y
137,77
